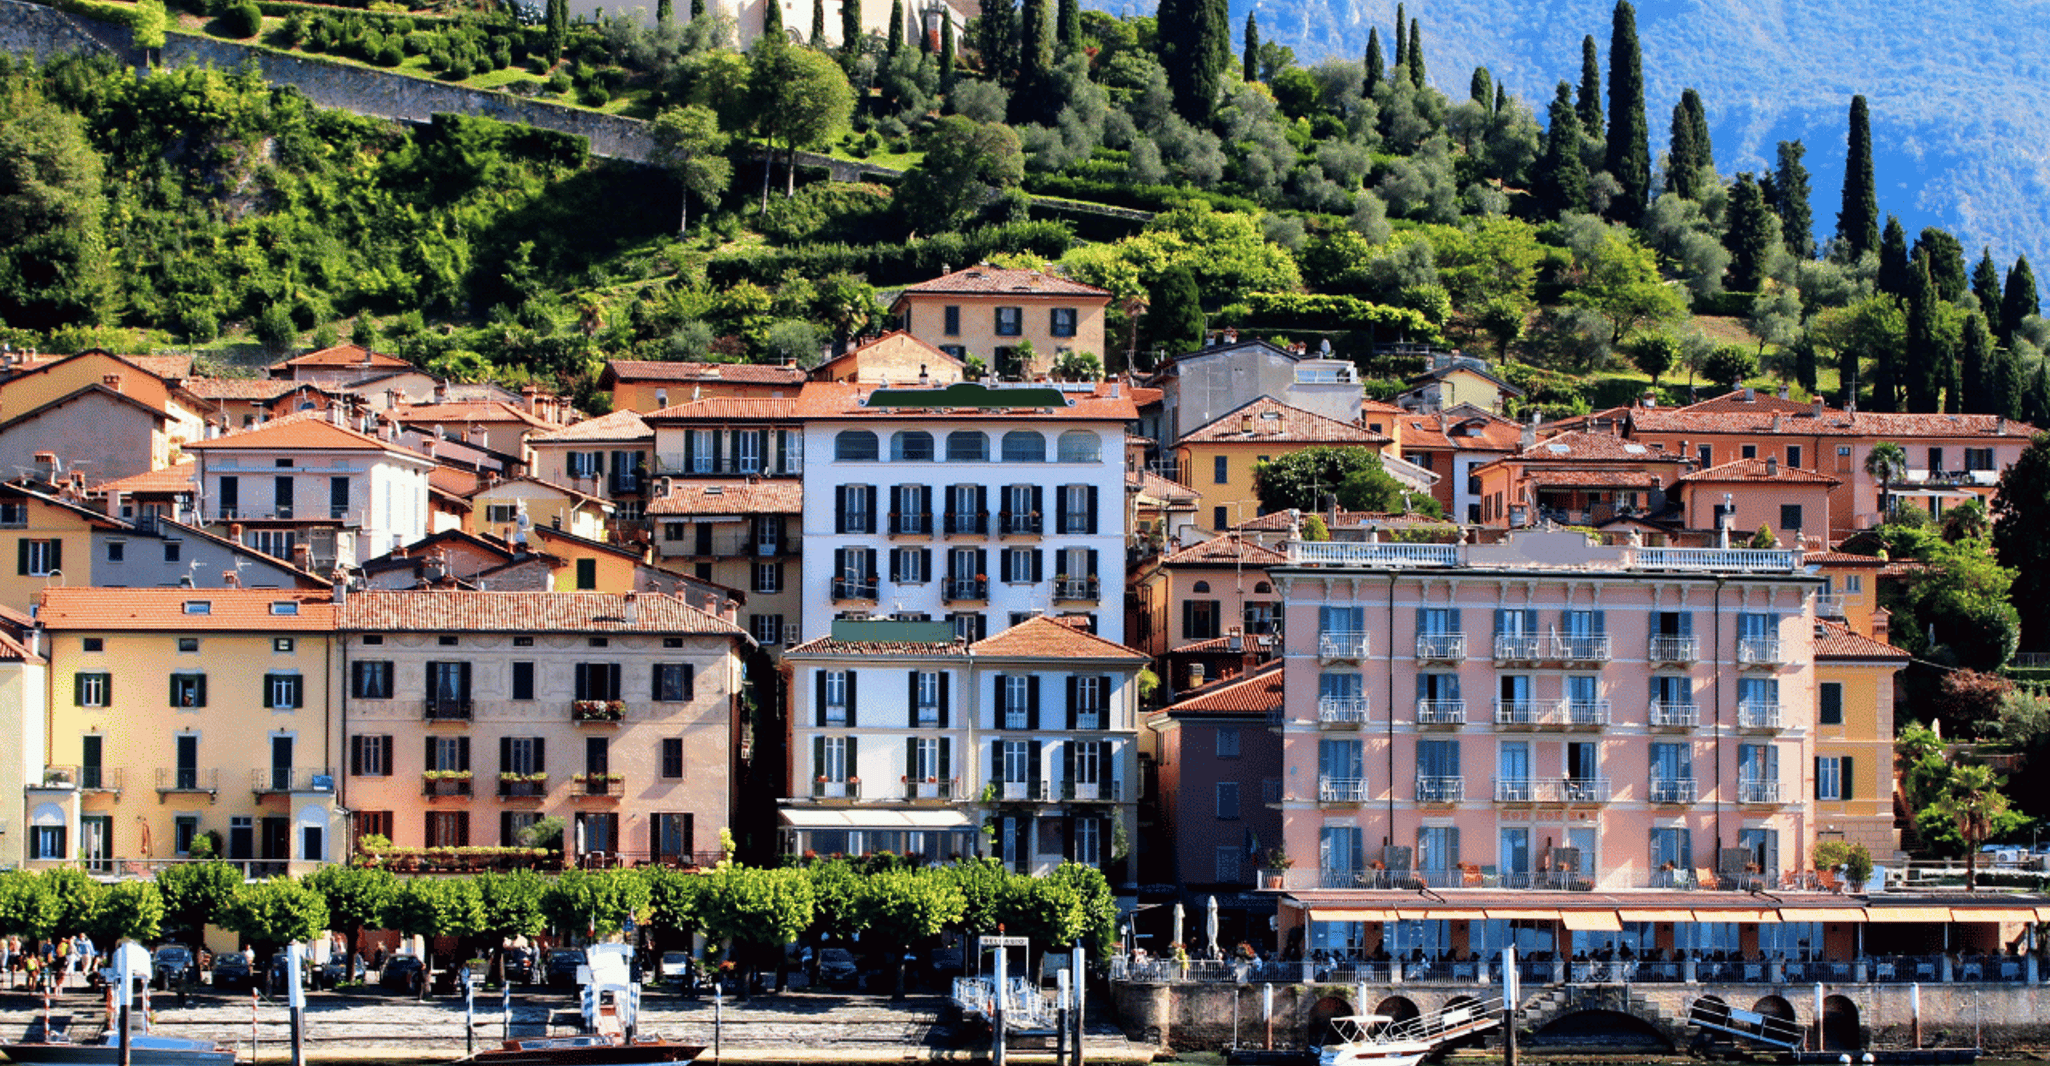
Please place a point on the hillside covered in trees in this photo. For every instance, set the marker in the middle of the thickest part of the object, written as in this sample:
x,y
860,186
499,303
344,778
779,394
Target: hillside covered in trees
x,y
1346,201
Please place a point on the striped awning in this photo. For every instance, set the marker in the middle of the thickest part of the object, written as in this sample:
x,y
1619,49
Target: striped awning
x,y
1592,921
1938,915
1993,914
1353,914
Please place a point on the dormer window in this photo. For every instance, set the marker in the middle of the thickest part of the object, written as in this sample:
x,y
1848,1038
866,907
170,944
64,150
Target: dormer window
x,y
284,607
199,607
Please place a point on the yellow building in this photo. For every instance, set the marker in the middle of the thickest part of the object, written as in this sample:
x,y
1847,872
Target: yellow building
x,y
588,565
648,385
496,509
990,312
1853,790
1455,379
176,712
1218,459
49,540
24,680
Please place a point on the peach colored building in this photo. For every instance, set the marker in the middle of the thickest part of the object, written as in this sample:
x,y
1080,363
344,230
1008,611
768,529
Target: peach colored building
x,y
895,357
1575,478
1792,502
1451,444
468,716
1545,713
989,312
647,385
1198,596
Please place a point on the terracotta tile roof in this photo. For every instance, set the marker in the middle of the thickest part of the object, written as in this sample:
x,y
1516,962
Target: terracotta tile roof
x,y
1145,397
730,496
78,607
453,480
1471,366
1226,550
170,367
13,651
986,280
305,431
828,648
895,338
1834,640
1832,423
1254,693
343,355
1426,432
621,425
638,555
1736,400
1597,447
1277,522
245,388
177,478
1594,479
1744,470
1165,490
1041,637
729,409
530,479
156,413
1836,558
1274,421
456,411
833,400
693,372
525,612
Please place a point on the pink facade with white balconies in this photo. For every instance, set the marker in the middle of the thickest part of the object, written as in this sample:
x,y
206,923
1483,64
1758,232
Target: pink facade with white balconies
x,y
1548,712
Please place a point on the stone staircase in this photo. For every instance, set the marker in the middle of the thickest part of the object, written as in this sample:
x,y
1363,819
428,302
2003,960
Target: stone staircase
x,y
1558,1001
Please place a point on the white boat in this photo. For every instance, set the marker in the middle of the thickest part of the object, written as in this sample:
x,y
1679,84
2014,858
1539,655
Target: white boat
x,y
1378,1040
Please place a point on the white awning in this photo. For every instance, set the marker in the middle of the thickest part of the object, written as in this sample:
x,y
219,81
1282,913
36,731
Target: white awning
x,y
855,818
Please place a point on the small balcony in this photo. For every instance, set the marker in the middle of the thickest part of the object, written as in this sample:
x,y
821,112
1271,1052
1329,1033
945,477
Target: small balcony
x,y
1082,589
1436,789
1829,606
1441,647
446,709
599,785
1020,523
1674,791
597,712
96,778
931,790
1674,715
1341,712
1526,714
1761,652
1341,789
1759,716
1513,648
284,780
1092,791
854,588
1536,792
187,779
826,790
1342,645
1585,714
522,786
955,589
1759,793
910,524
960,523
437,783
1578,649
1019,791
1441,714
1673,649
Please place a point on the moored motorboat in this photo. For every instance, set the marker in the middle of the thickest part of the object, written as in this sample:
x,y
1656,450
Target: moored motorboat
x,y
144,1049
591,1049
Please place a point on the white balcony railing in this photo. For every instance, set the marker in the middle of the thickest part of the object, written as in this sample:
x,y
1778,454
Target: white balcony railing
x,y
1829,606
1441,712
1673,790
1342,710
1525,712
1758,714
1741,560
1341,789
1759,651
1342,645
1671,649
1438,789
1580,649
1358,553
1586,713
1443,647
1538,790
1518,648
1758,792
1675,714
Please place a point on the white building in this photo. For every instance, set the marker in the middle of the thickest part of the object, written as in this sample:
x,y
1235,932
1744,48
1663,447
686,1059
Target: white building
x,y
311,492
906,739
981,506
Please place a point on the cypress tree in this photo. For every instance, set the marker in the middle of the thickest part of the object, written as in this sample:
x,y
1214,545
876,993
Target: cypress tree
x,y
1790,201
1376,63
1986,288
1896,271
894,42
1805,363
818,24
2036,404
1068,28
1195,48
697,10
1886,377
772,21
1174,315
1590,102
1946,262
557,27
1481,88
1689,164
2005,391
993,37
1035,53
1953,384
1401,41
1629,146
1975,365
2020,299
1501,98
1857,222
1921,366
1847,376
665,13
924,38
947,57
1416,53
850,26
1561,173
1252,60
1750,235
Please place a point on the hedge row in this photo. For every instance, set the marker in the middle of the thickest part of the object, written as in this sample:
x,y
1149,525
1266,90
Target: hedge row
x,y
92,9
890,264
1142,197
1327,311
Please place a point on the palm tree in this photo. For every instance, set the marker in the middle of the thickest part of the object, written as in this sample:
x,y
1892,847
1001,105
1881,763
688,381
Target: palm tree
x,y
1966,521
1888,462
1971,798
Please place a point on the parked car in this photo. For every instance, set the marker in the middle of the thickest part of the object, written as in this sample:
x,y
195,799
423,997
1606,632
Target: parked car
x,y
402,973
172,965
562,967
231,970
673,967
519,966
837,969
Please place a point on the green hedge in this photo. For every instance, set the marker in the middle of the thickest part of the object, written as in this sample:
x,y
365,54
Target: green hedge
x,y
1731,304
1299,310
1142,197
114,13
892,264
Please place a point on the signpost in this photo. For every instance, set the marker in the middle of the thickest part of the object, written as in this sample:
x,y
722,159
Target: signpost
x,y
996,1012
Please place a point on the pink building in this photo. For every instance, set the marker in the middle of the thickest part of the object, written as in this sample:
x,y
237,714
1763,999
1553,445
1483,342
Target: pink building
x,y
1545,713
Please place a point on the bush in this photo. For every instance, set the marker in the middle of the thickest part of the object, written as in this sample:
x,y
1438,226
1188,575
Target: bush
x,y
597,96
559,83
886,264
391,55
1326,311
832,212
243,20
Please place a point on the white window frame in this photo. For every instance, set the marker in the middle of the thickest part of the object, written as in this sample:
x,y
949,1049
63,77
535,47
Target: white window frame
x,y
836,697
1088,842
768,577
1017,695
701,451
928,697
1090,759
93,689
747,452
834,752
1017,756
284,690
1077,510
925,761
766,628
1829,778
39,558
911,567
1090,703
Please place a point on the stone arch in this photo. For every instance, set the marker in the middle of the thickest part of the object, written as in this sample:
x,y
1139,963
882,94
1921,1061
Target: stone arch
x,y
1321,1013
1841,1030
1398,1009
1603,1030
1776,1007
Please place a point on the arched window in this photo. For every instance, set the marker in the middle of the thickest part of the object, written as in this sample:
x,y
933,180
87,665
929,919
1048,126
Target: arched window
x,y
1024,446
855,445
1081,446
967,446
1202,586
912,445
1262,588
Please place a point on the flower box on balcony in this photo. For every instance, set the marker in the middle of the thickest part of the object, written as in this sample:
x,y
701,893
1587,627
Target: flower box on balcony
x,y
597,710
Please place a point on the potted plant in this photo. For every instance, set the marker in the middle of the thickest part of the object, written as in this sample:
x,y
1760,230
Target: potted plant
x,y
1277,860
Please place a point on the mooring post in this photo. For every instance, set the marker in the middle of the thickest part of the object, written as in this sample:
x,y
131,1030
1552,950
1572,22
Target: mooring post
x,y
1060,1018
1510,992
996,1011
295,1002
123,997
1915,1014
1267,1011
1080,957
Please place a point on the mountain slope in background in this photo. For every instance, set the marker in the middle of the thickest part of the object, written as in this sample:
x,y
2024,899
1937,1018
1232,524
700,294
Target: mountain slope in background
x,y
1960,135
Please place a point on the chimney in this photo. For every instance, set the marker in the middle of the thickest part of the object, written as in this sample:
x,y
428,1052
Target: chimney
x,y
1723,513
391,399
231,579
1772,466
924,377
302,556
341,590
1195,675
441,392
1116,389
528,394
366,357
2000,426
1783,392
185,580
630,607
1750,394
1246,425
47,466
112,381
235,532
1882,624
1817,412
1775,421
